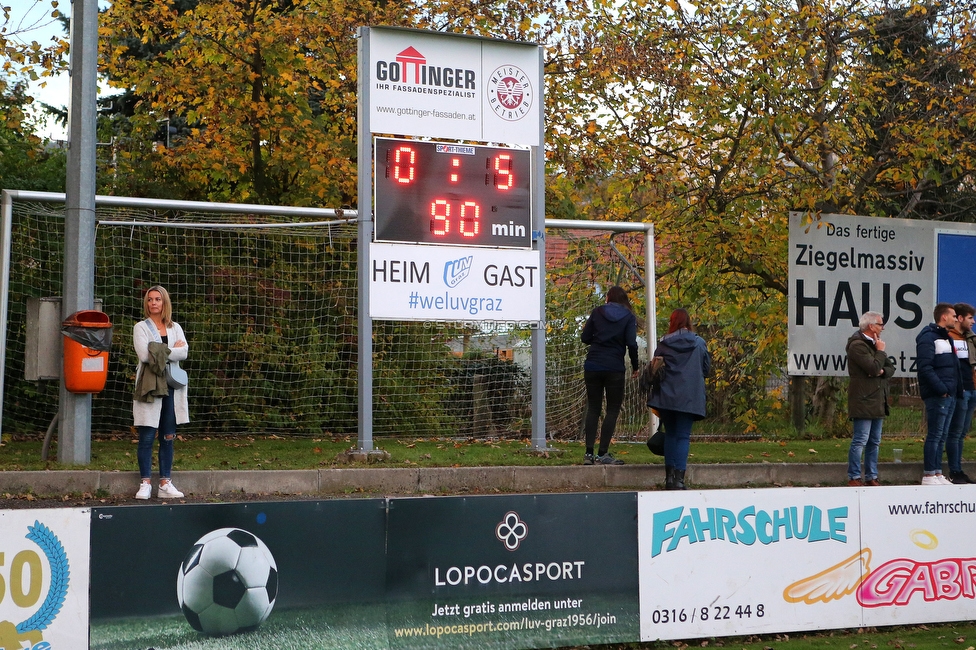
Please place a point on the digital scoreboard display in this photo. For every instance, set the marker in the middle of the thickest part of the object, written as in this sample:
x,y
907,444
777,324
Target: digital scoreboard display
x,y
439,193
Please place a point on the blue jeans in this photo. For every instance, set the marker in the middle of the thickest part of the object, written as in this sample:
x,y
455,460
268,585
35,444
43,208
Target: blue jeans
x,y
938,416
962,417
867,439
677,437
167,433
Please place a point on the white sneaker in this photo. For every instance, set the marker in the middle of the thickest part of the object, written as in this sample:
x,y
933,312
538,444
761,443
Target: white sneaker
x,y
145,491
943,480
168,491
931,479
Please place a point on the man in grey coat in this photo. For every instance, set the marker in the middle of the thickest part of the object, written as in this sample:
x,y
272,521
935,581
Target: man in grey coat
x,y
867,396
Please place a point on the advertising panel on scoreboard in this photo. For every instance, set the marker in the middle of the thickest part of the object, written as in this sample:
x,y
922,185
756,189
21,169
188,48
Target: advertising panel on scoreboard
x,y
450,86
438,283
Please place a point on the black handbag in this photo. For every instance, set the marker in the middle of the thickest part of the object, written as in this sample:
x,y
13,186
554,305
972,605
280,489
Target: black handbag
x,y
656,442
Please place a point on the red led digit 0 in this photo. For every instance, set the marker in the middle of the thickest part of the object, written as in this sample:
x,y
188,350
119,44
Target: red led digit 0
x,y
440,212
404,159
504,178
470,219
456,165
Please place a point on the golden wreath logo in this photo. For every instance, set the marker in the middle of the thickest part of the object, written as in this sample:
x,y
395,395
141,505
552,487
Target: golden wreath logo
x,y
29,633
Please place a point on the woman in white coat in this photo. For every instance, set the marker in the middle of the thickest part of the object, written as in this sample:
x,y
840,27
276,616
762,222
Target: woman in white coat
x,y
159,417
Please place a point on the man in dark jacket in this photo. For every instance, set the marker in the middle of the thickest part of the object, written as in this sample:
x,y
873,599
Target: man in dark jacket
x,y
939,385
867,396
964,342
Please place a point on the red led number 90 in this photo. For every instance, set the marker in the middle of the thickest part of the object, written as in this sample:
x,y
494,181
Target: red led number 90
x,y
445,213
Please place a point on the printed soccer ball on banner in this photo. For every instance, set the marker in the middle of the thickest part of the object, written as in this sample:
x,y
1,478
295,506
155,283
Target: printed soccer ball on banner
x,y
227,583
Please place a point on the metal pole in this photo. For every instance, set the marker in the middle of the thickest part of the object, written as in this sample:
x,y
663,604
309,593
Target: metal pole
x,y
74,437
650,289
538,336
6,230
365,235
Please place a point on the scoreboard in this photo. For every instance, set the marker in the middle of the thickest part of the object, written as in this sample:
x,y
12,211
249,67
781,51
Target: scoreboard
x,y
441,193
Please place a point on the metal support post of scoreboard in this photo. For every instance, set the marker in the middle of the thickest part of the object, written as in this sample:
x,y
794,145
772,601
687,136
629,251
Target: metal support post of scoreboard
x,y
538,336
365,235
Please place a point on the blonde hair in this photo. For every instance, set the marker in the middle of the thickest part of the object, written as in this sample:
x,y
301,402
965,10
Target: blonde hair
x,y
167,304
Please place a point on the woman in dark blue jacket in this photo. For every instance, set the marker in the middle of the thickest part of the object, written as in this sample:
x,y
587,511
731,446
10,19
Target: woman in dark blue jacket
x,y
680,396
610,331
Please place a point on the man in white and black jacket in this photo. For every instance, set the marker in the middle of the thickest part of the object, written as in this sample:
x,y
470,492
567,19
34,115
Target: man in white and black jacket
x,y
939,384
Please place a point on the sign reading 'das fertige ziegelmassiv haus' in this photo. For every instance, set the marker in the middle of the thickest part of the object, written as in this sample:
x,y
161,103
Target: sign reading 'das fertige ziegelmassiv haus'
x,y
841,266
44,579
449,86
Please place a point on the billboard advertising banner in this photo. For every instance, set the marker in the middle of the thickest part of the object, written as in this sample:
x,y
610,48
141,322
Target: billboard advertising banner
x,y
506,571
842,266
44,579
919,543
306,574
450,572
734,562
512,571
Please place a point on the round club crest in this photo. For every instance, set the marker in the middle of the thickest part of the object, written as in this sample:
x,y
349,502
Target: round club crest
x,y
509,93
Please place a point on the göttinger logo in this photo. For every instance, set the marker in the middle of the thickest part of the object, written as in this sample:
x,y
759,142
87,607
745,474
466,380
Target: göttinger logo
x,y
511,531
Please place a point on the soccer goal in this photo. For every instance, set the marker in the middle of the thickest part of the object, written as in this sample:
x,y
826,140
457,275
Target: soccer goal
x,y
268,298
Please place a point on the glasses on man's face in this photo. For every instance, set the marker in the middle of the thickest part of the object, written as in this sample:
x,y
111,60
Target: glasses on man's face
x,y
881,325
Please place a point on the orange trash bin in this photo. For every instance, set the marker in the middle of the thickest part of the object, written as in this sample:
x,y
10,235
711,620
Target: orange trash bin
x,y
87,341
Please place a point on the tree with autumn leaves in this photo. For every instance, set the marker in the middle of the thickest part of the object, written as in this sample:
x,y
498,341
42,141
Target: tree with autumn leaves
x,y
24,164
713,120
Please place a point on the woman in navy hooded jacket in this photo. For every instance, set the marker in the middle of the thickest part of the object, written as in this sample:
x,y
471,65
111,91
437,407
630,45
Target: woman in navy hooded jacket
x,y
680,396
610,331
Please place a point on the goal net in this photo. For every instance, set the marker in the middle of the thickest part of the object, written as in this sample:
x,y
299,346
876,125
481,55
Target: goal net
x,y
270,312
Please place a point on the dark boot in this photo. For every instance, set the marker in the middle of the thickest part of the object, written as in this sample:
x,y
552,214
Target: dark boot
x,y
679,479
668,477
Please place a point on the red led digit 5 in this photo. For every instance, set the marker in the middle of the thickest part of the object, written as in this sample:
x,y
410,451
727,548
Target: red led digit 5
x,y
504,177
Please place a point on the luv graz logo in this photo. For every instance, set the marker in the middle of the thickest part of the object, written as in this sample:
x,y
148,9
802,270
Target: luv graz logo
x,y
457,270
29,633
511,531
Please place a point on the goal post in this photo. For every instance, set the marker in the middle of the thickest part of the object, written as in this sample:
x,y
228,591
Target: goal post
x,y
269,299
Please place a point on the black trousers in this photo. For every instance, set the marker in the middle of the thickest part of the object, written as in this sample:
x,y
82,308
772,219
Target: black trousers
x,y
598,383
